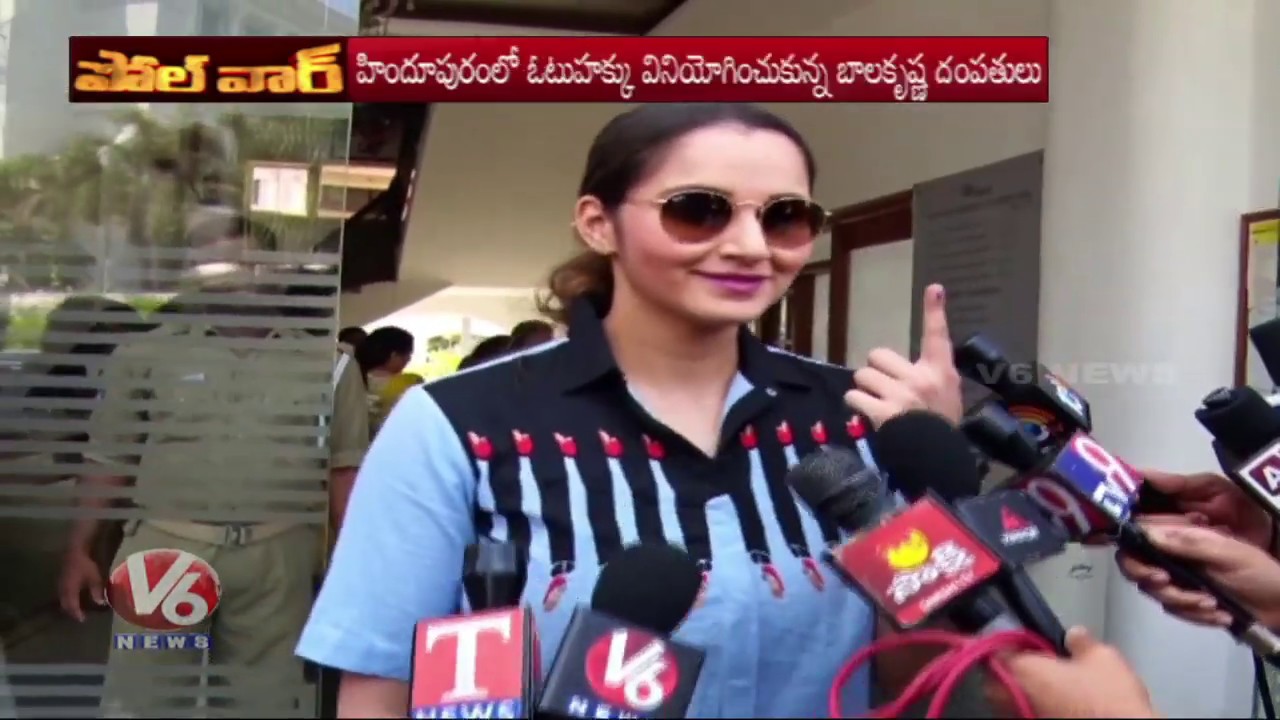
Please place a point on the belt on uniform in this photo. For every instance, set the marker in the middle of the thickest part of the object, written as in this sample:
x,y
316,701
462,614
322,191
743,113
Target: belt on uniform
x,y
231,534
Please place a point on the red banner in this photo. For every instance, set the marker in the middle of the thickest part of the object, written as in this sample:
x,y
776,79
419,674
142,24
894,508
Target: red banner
x,y
705,69
561,69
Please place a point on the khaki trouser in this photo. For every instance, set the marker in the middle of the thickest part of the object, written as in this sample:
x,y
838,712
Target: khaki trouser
x,y
268,584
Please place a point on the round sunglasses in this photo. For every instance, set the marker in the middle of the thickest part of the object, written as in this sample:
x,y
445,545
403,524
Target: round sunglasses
x,y
700,215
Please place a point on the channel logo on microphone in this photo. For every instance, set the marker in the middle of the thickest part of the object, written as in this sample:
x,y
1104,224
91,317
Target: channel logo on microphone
x,y
1086,487
916,563
618,670
472,666
1039,424
1262,474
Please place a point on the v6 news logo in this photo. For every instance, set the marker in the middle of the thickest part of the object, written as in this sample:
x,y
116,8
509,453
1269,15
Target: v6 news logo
x,y
164,589
633,670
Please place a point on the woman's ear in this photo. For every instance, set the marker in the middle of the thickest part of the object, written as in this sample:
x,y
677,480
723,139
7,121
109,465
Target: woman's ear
x,y
594,225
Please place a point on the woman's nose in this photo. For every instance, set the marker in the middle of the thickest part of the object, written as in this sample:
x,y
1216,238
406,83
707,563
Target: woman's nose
x,y
745,238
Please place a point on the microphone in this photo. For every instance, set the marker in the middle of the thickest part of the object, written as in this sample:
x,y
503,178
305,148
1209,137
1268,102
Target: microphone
x,y
1266,340
995,429
898,446
1093,493
1245,425
616,659
837,485
483,664
1042,400
1001,436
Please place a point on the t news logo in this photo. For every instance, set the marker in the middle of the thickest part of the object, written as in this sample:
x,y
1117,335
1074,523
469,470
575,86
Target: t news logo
x,y
166,592
472,666
917,562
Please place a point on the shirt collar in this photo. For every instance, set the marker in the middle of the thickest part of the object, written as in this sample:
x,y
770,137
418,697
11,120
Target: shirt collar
x,y
590,360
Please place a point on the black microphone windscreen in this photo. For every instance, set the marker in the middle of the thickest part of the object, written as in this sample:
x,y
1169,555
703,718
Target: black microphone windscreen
x,y
836,484
1266,340
979,359
651,585
1241,420
921,451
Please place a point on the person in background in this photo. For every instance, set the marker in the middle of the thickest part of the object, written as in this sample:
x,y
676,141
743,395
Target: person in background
x,y
383,355
206,388
392,391
349,338
490,348
531,333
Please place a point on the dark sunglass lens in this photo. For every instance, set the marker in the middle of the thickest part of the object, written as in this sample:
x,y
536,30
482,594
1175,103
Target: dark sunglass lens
x,y
793,218
698,211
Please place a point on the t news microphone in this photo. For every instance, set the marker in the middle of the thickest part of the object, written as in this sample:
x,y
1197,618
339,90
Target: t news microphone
x,y
617,659
1033,394
1244,425
483,664
922,454
1092,492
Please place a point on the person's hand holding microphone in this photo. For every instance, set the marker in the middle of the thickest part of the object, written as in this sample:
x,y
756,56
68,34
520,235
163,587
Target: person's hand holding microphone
x,y
1211,499
891,384
1240,567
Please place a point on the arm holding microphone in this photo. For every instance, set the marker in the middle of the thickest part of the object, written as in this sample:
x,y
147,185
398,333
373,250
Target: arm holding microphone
x,y
1247,572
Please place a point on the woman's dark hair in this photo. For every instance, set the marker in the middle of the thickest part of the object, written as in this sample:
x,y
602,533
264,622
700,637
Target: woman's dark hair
x,y
490,348
353,335
530,333
377,349
623,152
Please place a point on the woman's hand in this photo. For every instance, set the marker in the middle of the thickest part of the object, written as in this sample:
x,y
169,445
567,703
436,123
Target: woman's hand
x,y
1094,682
1249,574
891,384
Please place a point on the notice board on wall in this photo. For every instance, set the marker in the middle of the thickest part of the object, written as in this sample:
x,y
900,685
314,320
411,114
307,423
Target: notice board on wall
x,y
978,233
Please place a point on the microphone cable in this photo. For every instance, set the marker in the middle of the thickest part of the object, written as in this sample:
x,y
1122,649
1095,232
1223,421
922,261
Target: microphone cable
x,y
942,676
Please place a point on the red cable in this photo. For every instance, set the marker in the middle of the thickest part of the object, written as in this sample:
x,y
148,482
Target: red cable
x,y
943,674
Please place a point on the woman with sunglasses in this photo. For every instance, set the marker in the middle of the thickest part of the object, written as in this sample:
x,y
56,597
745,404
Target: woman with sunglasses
x,y
659,419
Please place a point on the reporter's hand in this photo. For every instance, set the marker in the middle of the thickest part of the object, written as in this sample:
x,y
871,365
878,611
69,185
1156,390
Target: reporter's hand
x,y
1095,681
890,384
1211,499
1247,572
79,573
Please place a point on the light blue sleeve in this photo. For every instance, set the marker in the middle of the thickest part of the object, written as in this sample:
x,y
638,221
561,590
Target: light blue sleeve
x,y
399,557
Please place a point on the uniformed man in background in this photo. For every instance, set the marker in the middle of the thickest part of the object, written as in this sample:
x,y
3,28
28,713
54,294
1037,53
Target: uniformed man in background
x,y
229,469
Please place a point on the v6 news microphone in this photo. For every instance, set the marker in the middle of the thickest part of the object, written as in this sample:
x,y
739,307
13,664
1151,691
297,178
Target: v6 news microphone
x,y
1034,395
1245,425
616,659
483,664
1093,492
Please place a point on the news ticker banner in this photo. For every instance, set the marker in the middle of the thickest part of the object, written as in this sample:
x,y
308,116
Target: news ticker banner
x,y
559,69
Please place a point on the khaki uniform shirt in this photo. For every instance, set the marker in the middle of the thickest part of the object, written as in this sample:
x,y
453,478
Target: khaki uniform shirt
x,y
349,432
215,425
